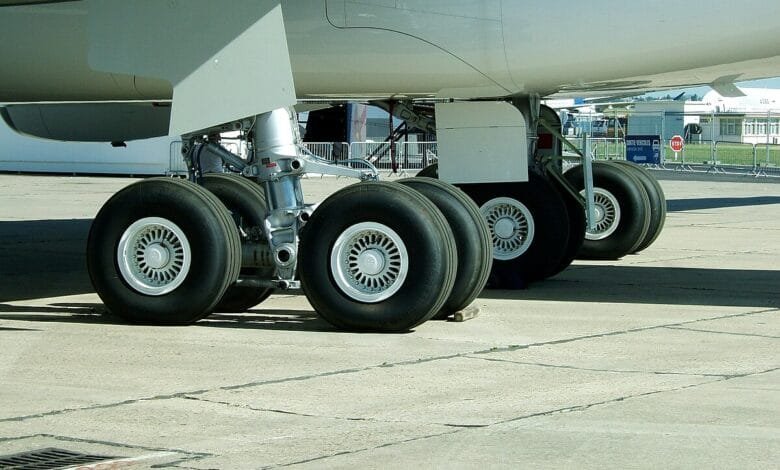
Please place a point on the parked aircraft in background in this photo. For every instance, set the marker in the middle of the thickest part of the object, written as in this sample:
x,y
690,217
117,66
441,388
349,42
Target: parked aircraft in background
x,y
374,256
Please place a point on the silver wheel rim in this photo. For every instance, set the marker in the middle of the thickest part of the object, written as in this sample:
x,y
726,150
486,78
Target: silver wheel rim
x,y
369,262
154,256
608,214
511,227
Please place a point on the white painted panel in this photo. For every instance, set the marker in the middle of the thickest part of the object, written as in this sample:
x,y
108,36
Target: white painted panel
x,y
481,142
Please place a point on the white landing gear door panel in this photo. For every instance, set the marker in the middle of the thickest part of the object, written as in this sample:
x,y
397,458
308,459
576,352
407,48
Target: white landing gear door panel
x,y
481,142
226,60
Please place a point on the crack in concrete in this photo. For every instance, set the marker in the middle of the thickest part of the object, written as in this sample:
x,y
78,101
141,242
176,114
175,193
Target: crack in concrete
x,y
366,449
564,410
410,362
614,371
335,418
696,330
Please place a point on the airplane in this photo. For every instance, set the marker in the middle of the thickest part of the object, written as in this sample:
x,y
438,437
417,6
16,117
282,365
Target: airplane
x,y
375,256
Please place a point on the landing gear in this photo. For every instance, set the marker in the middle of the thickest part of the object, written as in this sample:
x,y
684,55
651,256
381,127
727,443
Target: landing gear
x,y
622,211
163,251
472,240
373,257
246,202
377,257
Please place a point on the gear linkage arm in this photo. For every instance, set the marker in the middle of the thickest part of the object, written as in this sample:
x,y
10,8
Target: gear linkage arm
x,y
277,161
550,164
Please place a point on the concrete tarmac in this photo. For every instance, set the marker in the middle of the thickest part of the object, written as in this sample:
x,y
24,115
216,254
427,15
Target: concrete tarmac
x,y
666,359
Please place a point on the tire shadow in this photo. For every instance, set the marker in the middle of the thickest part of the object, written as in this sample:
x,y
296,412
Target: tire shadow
x,y
654,285
43,258
96,314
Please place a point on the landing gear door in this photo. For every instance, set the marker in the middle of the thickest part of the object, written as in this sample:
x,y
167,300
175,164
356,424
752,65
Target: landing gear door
x,y
481,142
225,62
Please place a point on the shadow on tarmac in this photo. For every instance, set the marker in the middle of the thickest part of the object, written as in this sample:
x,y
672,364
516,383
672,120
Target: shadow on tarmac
x,y
681,205
95,314
43,258
654,285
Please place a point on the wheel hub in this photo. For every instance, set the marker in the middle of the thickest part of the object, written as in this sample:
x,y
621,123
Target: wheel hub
x,y
600,213
369,262
505,228
607,214
511,227
154,256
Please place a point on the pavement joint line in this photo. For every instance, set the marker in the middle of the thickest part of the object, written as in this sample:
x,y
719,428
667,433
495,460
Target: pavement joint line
x,y
302,378
695,330
614,371
366,449
565,410
335,418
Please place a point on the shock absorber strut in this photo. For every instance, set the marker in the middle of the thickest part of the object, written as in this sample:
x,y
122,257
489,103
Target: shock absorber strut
x,y
278,163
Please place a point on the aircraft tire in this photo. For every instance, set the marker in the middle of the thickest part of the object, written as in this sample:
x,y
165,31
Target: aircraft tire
x,y
535,226
163,251
472,240
246,202
623,211
430,171
577,226
377,256
657,199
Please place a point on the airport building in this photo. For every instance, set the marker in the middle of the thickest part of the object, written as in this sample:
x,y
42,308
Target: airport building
x,y
750,119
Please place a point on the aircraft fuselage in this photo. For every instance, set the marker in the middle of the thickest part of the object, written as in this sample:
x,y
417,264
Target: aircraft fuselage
x,y
461,49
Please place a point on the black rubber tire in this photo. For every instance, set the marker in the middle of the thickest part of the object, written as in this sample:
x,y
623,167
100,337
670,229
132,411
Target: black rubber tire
x,y
634,207
430,171
246,202
472,240
577,226
432,257
546,251
213,240
657,199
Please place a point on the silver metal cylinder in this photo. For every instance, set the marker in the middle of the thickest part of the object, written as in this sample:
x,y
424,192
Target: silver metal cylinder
x,y
276,133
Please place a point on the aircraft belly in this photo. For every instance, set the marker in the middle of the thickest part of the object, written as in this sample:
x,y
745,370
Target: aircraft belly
x,y
445,48
599,46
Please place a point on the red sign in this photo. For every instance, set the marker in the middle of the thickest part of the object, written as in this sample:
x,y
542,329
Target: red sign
x,y
677,143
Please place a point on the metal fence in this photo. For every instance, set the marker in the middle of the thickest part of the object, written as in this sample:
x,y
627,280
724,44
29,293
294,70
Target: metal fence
x,y
405,155
704,156
399,156
761,159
